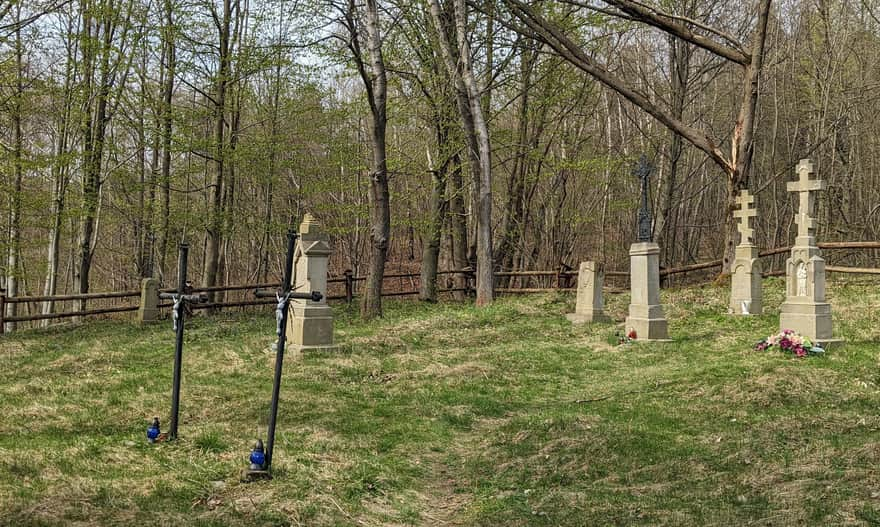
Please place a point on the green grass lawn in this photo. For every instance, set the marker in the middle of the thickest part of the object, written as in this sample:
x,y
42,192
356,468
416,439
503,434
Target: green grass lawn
x,y
451,415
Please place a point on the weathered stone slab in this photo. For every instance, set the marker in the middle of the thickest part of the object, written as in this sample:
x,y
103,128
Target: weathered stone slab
x,y
148,311
590,302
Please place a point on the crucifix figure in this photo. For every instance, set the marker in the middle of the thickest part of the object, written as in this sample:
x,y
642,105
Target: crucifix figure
x,y
744,213
806,187
643,172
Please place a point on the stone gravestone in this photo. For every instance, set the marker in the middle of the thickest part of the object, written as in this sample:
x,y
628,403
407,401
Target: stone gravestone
x,y
310,323
805,309
745,287
590,304
646,315
148,311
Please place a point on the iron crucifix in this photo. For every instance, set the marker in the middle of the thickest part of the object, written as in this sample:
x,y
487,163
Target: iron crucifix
x,y
643,172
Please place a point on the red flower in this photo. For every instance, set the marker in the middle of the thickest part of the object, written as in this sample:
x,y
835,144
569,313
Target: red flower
x,y
631,334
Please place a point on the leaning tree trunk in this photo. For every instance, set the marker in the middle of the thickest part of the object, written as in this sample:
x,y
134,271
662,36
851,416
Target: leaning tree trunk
x,y
737,165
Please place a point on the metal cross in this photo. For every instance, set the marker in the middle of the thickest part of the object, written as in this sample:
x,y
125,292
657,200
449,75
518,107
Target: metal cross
x,y
744,213
643,172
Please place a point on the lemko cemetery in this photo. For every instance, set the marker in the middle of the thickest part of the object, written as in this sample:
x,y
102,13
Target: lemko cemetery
x,y
439,262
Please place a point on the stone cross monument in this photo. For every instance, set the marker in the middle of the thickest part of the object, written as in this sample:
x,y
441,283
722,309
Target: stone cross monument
x,y
590,303
645,312
805,309
745,287
310,324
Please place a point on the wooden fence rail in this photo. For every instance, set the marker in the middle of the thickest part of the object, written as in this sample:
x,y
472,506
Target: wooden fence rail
x,y
562,276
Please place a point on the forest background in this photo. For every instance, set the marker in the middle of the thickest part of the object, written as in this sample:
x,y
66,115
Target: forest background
x,y
422,134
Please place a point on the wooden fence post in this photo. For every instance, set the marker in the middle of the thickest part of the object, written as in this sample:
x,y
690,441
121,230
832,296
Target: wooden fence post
x,y
2,311
349,285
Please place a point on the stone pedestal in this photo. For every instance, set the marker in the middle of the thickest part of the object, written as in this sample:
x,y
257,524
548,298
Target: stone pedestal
x,y
149,308
805,309
590,303
745,288
310,323
645,312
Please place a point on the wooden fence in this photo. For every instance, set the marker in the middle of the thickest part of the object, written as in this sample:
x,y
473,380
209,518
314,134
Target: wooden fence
x,y
560,279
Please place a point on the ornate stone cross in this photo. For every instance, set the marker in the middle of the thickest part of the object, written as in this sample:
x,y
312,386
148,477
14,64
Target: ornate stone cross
x,y
643,172
806,188
744,213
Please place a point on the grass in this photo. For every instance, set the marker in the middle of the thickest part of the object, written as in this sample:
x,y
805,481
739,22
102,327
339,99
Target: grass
x,y
450,415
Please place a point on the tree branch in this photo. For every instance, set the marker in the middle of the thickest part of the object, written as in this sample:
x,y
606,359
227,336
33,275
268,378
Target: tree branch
x,y
552,36
665,22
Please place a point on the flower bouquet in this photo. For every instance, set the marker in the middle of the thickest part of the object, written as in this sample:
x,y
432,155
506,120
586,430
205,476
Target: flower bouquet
x,y
789,341
627,338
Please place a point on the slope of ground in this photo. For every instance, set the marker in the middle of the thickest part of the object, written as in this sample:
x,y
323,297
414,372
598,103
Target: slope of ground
x,y
450,415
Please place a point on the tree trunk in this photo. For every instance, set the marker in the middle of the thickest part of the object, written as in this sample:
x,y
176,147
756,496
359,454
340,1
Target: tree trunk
x,y
167,118
90,179
445,30
737,166
438,206
13,265
513,211
743,143
485,271
679,66
214,229
459,226
146,191
60,180
380,212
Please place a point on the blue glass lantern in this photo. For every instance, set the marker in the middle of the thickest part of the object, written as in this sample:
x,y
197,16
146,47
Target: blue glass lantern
x,y
153,430
258,456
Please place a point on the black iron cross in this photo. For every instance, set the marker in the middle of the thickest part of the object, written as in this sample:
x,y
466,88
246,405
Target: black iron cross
x,y
643,172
